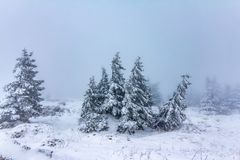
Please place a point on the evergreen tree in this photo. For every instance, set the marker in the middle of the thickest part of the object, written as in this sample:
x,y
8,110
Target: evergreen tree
x,y
91,120
136,113
140,91
211,101
235,98
114,102
90,103
231,99
130,120
103,87
171,115
24,94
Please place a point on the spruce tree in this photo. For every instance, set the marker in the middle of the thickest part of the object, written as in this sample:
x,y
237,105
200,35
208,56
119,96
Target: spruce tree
x,y
130,120
136,113
228,100
90,103
91,118
103,87
24,94
140,91
211,101
172,114
114,102
235,98
231,100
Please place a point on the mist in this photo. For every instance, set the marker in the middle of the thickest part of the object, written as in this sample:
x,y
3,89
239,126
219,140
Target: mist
x,y
72,40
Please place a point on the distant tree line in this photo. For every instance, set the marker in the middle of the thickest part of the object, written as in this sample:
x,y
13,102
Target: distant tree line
x,y
218,99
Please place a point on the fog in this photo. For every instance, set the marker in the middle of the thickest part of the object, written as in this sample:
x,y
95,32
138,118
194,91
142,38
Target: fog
x,y
73,39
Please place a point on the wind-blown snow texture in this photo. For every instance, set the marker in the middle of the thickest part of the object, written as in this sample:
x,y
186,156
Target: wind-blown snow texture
x,y
201,137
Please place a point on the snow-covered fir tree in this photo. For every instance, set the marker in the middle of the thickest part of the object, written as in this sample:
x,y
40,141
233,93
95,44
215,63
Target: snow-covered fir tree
x,y
136,113
227,100
138,86
211,101
171,114
114,102
103,87
24,94
91,103
235,98
130,120
91,118
231,99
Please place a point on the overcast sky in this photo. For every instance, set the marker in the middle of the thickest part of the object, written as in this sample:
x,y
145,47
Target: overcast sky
x,y
73,39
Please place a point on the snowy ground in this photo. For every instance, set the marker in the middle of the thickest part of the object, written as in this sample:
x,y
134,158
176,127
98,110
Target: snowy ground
x,y
201,138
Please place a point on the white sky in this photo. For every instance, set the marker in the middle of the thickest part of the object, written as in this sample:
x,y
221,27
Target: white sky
x,y
73,39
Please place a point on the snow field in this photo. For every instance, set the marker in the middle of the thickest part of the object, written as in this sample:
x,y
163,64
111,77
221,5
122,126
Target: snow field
x,y
201,138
